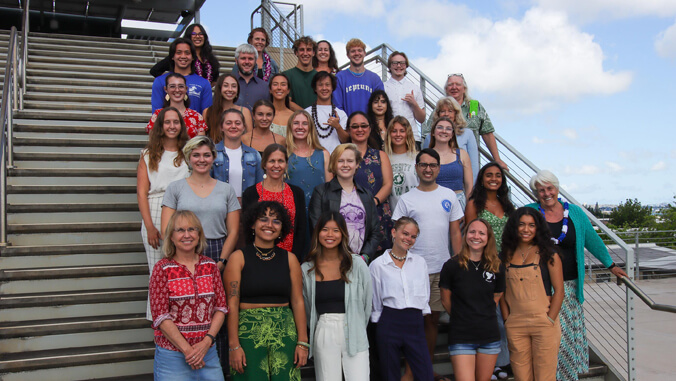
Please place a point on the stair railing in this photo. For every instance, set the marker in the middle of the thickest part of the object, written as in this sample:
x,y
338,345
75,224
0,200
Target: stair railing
x,y
25,27
609,310
9,90
283,26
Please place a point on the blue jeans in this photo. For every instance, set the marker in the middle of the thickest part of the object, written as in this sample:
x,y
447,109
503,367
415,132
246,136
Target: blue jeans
x,y
472,349
171,366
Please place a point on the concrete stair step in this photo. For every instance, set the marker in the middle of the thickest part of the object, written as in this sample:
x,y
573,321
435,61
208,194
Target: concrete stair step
x,y
82,40
79,297
63,142
85,68
76,237
143,107
99,62
56,198
50,327
125,370
65,156
108,48
143,117
97,164
87,82
72,180
86,75
72,207
110,91
70,189
75,284
69,357
106,254
75,126
70,217
78,172
104,248
32,97
73,227
84,54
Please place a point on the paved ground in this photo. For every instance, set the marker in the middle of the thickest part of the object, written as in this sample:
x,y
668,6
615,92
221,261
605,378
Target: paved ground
x,y
656,332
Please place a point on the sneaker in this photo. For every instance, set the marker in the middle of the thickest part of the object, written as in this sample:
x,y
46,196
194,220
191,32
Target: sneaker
x,y
499,374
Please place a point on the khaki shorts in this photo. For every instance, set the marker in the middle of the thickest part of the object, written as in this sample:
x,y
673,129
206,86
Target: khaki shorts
x,y
435,293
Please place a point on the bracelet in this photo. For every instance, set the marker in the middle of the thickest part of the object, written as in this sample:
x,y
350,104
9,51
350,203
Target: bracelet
x,y
234,349
213,339
303,344
302,347
612,266
377,200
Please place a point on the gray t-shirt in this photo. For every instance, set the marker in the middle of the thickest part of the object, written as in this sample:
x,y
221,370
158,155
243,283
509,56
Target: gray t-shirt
x,y
211,210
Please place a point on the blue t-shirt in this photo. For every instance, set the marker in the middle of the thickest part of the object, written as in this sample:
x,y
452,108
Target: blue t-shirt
x,y
353,92
199,92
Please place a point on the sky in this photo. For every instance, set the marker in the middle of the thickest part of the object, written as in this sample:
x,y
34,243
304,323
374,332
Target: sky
x,y
582,88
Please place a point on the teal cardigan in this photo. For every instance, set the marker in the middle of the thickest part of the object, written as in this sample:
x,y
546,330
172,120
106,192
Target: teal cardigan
x,y
358,297
586,237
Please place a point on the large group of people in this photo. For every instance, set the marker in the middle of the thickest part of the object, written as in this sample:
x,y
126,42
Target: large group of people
x,y
314,213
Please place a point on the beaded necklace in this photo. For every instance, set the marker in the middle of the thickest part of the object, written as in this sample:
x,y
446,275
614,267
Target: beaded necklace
x,y
320,127
564,228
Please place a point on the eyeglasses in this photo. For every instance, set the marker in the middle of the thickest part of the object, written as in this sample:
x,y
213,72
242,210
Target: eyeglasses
x,y
192,229
265,220
398,63
362,126
197,34
174,87
428,165
456,75
442,128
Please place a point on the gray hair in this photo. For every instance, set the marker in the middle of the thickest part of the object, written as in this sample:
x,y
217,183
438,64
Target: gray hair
x,y
464,83
248,49
543,177
196,142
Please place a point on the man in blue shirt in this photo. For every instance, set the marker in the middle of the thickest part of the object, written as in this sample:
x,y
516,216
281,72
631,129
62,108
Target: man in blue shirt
x,y
355,85
251,88
182,53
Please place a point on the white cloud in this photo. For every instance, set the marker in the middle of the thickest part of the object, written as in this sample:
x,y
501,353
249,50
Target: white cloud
x,y
659,166
315,9
665,43
537,140
570,133
529,64
427,18
614,167
582,170
588,10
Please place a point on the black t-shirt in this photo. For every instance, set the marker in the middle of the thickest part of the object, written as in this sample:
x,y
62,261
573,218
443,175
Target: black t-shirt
x,y
566,248
473,316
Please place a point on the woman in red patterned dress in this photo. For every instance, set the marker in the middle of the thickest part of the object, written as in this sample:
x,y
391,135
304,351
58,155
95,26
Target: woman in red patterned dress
x,y
177,96
273,188
188,304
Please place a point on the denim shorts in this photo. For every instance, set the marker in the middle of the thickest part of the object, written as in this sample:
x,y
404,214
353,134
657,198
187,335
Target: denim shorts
x,y
472,349
171,366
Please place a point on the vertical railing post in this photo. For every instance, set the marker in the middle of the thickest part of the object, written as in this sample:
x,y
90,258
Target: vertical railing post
x,y
24,53
15,78
637,273
383,62
631,334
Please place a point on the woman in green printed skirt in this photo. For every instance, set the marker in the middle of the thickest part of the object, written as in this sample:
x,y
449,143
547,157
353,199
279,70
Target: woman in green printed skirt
x,y
267,327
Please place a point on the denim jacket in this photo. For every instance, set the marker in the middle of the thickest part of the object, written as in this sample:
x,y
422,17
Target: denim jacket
x,y
252,172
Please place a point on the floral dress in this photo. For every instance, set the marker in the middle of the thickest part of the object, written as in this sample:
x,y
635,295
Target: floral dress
x,y
370,176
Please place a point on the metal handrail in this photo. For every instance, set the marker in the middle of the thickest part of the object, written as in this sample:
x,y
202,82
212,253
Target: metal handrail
x,y
279,23
25,26
6,110
646,299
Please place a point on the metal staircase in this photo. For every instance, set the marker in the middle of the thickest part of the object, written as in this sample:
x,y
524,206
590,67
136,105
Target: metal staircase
x,y
74,277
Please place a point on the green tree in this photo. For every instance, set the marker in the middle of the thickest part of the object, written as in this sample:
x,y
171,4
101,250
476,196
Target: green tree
x,y
668,217
631,214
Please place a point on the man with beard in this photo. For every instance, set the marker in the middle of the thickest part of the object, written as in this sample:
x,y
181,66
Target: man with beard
x,y
251,88
355,84
182,53
300,77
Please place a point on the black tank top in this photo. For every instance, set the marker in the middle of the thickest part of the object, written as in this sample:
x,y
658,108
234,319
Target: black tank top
x,y
330,297
265,282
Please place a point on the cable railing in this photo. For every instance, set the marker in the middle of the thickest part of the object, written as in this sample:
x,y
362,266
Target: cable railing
x,y
654,252
9,97
284,24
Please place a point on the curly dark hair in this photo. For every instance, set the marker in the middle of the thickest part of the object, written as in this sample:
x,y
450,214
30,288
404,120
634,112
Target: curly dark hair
x,y
375,134
257,210
542,239
207,51
478,195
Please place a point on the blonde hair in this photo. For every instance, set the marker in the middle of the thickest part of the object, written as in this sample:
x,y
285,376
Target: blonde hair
x,y
195,143
168,247
459,122
410,140
490,253
338,152
312,139
354,43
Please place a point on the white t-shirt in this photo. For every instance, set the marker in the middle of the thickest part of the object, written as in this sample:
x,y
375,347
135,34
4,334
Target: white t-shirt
x,y
433,211
396,91
323,114
235,169
166,172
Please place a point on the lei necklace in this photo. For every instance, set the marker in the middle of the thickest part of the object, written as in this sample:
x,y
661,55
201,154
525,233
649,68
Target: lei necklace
x,y
198,70
320,127
267,66
564,228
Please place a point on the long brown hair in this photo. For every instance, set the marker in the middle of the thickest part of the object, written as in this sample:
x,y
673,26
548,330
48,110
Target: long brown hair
x,y
453,143
344,252
215,111
155,146
490,253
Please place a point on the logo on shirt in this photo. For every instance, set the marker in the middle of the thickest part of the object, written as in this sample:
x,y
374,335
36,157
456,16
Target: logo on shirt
x,y
194,90
398,178
446,204
489,276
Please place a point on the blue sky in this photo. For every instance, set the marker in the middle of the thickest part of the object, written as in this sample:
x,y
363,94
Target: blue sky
x,y
583,88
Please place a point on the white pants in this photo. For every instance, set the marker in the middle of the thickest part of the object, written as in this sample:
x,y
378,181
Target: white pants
x,y
331,355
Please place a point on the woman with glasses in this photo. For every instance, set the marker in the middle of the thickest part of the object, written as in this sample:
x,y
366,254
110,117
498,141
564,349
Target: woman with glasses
x,y
205,65
455,172
450,108
177,97
267,326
